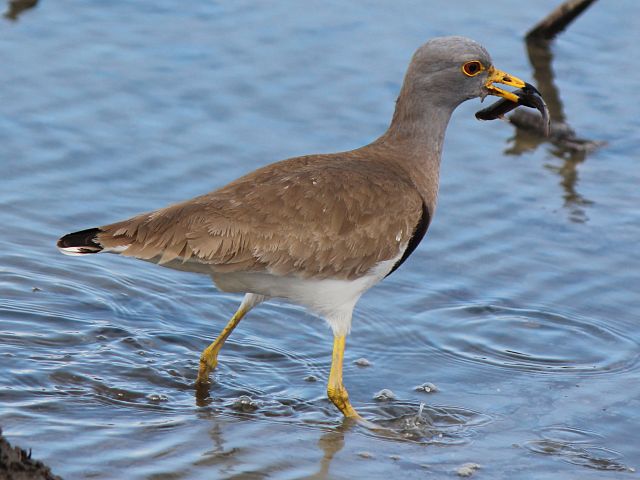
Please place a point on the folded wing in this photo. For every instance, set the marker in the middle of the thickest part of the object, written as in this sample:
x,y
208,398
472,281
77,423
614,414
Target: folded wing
x,y
318,216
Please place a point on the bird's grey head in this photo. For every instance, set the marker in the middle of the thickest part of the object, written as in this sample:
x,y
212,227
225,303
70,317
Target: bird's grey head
x,y
450,70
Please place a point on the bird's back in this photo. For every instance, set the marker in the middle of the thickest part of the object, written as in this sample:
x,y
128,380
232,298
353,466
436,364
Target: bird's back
x,y
321,216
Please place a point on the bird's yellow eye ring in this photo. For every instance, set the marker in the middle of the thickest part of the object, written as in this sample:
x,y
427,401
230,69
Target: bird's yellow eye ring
x,y
472,68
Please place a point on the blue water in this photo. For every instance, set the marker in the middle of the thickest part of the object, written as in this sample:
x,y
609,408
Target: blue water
x,y
521,306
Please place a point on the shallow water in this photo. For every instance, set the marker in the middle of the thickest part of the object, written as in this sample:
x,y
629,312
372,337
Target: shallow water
x,y
521,306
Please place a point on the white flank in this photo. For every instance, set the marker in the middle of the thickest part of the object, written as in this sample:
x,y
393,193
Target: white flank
x,y
333,299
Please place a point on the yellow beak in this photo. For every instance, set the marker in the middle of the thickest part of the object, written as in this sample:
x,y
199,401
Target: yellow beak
x,y
498,76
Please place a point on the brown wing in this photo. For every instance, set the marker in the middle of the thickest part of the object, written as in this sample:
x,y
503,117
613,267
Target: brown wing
x,y
323,215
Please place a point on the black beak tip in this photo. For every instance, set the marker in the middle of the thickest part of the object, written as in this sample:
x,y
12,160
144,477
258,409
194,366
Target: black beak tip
x,y
528,96
530,88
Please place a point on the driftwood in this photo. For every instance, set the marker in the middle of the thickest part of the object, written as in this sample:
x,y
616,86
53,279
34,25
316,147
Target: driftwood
x,y
558,20
17,464
16,7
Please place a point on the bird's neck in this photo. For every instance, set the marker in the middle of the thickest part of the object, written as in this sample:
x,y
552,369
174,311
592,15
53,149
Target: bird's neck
x,y
416,135
419,120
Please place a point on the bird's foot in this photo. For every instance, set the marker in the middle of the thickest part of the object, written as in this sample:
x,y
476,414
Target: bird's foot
x,y
208,362
340,398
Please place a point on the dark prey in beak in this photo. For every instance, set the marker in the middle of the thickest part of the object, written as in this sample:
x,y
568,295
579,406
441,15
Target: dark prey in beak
x,y
527,96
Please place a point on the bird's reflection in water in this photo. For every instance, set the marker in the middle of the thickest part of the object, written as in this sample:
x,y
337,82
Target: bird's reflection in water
x,y
397,421
404,422
331,443
222,457
567,146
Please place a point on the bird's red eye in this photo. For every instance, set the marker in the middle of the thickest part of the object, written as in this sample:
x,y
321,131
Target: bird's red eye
x,y
473,68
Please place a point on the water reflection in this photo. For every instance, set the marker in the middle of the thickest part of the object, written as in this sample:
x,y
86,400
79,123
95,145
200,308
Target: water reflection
x,y
402,422
576,446
202,395
330,443
16,7
219,454
567,146
532,340
101,360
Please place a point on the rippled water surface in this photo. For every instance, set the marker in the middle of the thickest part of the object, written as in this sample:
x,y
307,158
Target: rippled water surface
x,y
522,306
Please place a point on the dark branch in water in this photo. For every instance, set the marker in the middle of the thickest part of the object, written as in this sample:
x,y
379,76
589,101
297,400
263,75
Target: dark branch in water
x,y
541,58
16,7
560,133
558,20
567,146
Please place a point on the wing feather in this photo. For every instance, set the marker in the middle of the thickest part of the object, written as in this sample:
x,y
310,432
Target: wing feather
x,y
324,215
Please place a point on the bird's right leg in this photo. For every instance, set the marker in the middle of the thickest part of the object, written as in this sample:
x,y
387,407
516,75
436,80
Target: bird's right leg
x,y
209,357
336,391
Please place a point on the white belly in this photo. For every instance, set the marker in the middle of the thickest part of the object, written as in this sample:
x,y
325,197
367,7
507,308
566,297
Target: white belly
x,y
334,299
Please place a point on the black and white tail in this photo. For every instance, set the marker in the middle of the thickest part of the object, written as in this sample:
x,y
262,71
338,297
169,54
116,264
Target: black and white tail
x,y
80,243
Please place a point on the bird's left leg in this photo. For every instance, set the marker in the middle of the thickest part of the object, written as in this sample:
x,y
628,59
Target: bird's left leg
x,y
209,357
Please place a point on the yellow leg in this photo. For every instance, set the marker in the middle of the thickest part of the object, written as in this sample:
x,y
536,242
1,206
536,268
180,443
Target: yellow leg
x,y
335,389
209,357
